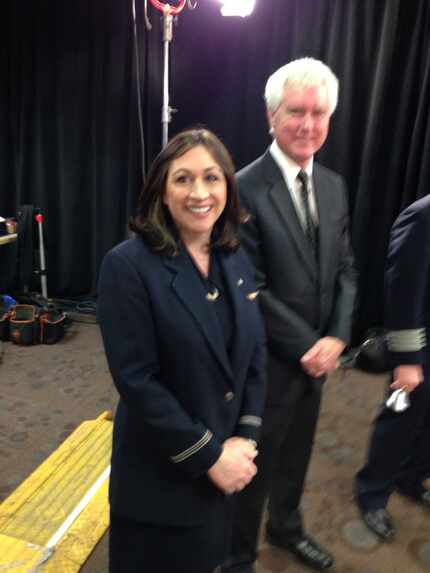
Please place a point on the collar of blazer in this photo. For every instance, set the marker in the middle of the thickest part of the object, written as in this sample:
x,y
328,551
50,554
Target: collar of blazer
x,y
285,207
188,287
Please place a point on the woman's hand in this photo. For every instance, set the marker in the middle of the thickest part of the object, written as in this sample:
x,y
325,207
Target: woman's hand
x,y
235,468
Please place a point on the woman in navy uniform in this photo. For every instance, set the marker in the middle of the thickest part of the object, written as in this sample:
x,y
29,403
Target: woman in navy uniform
x,y
398,457
185,345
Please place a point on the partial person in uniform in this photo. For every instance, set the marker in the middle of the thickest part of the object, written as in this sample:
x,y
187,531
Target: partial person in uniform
x,y
399,451
186,348
298,237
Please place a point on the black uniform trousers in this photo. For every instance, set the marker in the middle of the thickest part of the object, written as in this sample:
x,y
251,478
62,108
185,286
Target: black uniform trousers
x,y
284,452
398,454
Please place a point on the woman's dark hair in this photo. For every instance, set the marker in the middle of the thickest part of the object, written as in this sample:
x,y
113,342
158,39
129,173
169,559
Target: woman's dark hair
x,y
153,221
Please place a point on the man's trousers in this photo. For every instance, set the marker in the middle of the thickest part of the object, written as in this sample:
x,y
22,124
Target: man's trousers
x,y
399,454
284,452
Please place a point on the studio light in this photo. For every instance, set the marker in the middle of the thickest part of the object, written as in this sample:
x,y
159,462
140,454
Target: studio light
x,y
237,7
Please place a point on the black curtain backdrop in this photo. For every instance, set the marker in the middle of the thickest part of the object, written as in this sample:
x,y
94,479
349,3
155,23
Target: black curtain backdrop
x,y
69,137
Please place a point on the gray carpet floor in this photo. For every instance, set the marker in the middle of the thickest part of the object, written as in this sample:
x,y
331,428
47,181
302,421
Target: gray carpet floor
x,y
47,391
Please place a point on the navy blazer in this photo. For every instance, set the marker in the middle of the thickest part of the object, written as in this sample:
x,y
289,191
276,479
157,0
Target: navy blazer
x,y
407,286
181,395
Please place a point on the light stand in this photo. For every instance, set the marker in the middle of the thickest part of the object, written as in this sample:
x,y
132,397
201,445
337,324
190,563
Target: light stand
x,y
229,8
168,13
166,111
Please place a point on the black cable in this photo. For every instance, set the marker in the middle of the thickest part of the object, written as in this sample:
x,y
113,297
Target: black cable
x,y
78,310
138,88
84,310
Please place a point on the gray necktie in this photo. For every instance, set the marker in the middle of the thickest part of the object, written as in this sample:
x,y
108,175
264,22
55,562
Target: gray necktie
x,y
310,230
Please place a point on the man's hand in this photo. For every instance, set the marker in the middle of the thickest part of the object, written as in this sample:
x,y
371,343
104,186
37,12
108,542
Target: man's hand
x,y
408,377
322,357
235,468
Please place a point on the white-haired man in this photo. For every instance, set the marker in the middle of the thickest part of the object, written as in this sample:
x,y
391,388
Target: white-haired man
x,y
297,236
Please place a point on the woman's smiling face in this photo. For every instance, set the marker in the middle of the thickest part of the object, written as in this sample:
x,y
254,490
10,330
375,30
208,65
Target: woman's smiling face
x,y
195,194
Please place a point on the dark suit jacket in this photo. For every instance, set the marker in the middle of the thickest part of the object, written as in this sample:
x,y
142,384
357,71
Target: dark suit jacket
x,y
407,286
302,300
180,394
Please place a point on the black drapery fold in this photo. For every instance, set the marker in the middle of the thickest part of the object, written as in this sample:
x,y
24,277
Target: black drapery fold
x,y
395,166
69,137
71,140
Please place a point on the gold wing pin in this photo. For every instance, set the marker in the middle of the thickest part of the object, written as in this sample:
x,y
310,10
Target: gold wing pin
x,y
212,296
252,295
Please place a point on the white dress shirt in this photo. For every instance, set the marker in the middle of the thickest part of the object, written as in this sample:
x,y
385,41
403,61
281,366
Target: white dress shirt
x,y
290,170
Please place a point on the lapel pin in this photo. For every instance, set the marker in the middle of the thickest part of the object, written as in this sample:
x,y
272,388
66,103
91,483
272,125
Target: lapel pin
x,y
252,295
240,282
212,296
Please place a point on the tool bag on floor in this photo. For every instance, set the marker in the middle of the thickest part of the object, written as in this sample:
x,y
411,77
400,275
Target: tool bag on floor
x,y
29,325
52,326
24,325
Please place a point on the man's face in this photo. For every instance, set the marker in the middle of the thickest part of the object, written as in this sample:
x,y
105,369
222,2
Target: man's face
x,y
300,124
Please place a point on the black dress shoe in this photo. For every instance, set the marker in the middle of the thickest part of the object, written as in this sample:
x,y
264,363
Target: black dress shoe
x,y
305,549
379,522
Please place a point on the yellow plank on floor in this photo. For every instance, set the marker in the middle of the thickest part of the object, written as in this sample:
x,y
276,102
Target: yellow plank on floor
x,y
17,556
78,543
41,504
75,442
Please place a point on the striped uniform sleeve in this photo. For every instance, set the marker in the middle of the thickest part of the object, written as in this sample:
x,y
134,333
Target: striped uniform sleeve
x,y
249,427
193,449
407,287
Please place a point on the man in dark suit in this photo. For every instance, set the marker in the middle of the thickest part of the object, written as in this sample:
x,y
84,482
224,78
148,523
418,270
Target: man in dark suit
x,y
398,457
297,236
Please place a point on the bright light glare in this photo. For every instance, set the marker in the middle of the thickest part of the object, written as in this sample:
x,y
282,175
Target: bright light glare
x,y
237,7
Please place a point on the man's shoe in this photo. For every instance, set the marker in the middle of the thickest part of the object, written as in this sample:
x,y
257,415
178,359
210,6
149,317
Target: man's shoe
x,y
379,522
305,549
